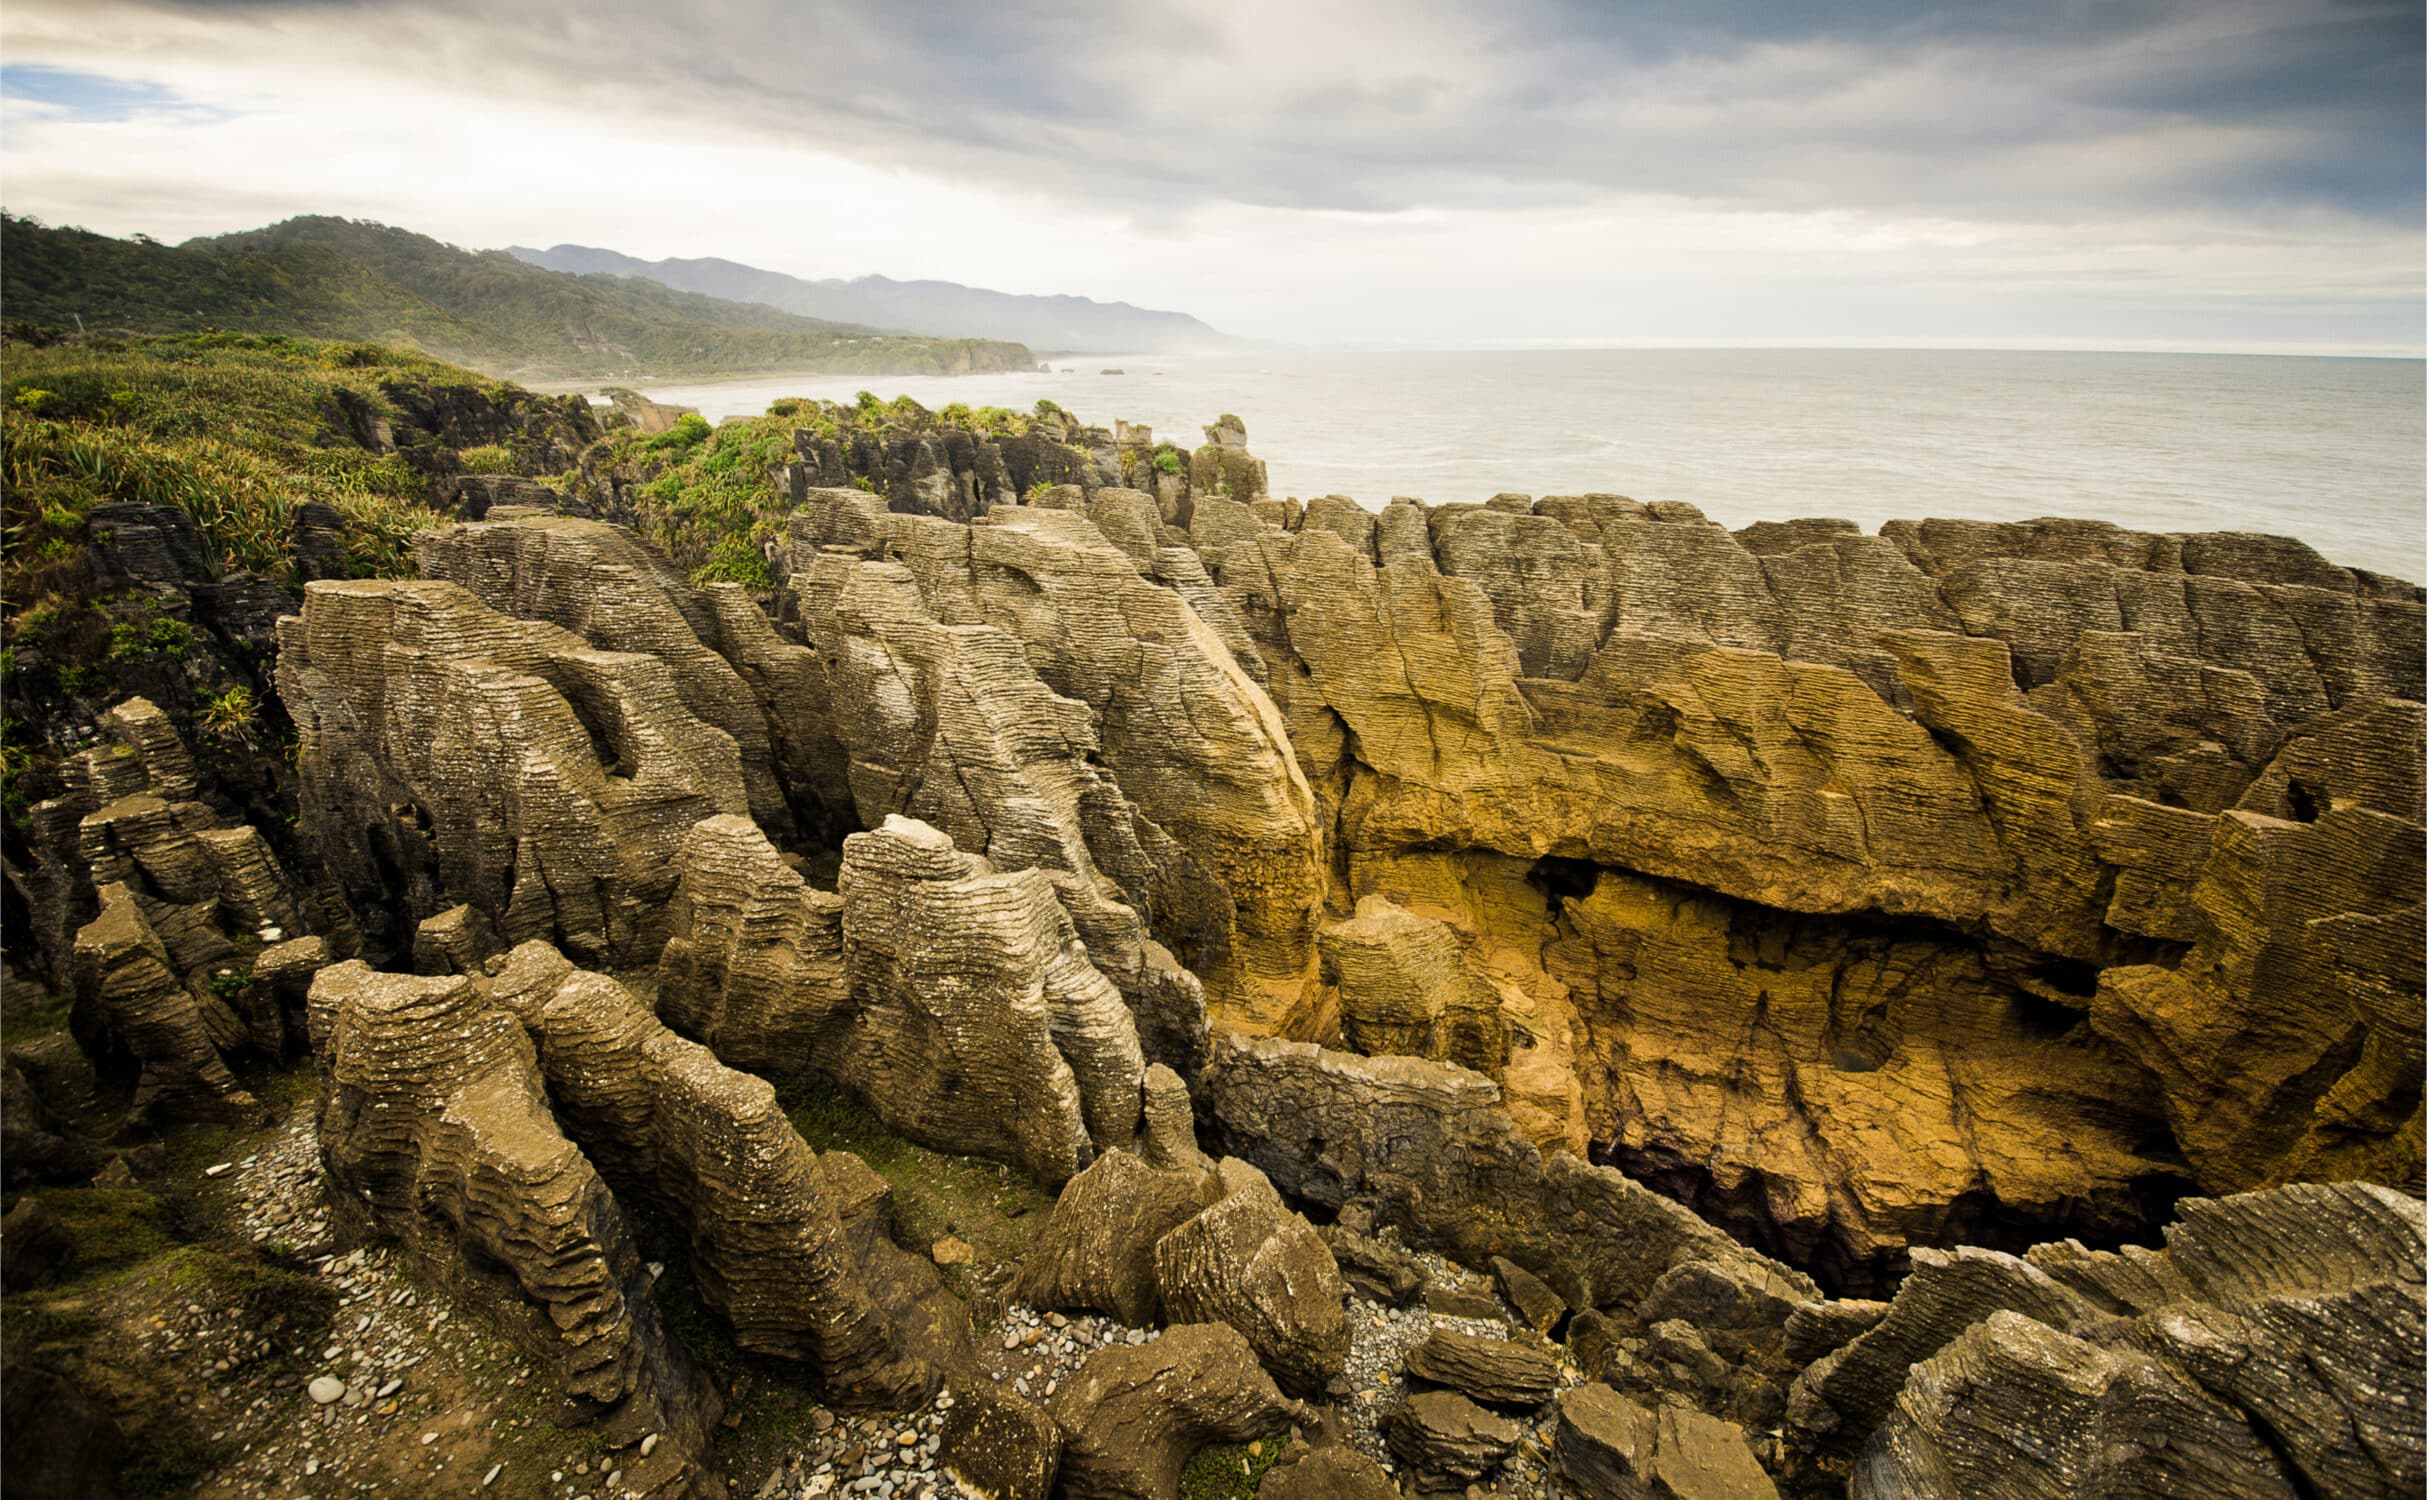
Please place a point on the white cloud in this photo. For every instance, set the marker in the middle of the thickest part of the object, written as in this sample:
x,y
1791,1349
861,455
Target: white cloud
x,y
1114,181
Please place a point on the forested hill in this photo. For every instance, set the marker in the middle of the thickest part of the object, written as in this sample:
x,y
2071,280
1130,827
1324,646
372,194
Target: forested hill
x,y
337,278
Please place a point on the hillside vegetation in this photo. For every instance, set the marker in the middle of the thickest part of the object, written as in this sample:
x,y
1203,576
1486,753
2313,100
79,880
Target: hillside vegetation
x,y
341,279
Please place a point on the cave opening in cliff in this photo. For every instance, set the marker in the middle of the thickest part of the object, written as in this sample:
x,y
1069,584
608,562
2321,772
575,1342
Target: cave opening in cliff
x,y
1562,879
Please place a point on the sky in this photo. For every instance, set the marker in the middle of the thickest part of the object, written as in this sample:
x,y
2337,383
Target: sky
x,y
2192,174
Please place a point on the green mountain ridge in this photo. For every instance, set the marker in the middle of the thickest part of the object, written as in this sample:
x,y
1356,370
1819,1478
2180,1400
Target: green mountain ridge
x,y
321,277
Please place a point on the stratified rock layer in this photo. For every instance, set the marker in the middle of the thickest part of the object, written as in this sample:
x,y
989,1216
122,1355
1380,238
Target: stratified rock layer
x,y
711,1149
2275,1346
434,1127
454,755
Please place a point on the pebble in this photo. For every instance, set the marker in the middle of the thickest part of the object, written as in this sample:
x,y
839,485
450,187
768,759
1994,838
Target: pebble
x,y
221,1170
648,1445
490,1478
325,1389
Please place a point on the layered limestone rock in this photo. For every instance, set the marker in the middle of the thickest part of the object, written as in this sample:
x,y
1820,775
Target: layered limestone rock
x,y
436,1131
1097,1251
753,967
954,997
452,755
947,721
2009,753
602,585
1251,1263
183,962
709,1148
1191,740
1133,1415
2275,1346
978,1025
1425,1148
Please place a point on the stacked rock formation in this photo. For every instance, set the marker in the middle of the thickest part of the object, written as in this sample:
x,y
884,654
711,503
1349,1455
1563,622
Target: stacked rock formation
x,y
435,1126
1961,884
2274,1347
454,755
708,1147
1949,831
200,931
1974,841
1192,742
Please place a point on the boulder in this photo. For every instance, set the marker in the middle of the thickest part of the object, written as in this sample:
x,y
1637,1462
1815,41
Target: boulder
x,y
1446,1441
1609,1448
1250,1262
1540,1307
1513,1372
1000,1445
1132,1415
1333,1472
1097,1250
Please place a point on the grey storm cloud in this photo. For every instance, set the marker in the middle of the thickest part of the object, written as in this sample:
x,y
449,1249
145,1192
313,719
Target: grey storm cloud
x,y
2054,112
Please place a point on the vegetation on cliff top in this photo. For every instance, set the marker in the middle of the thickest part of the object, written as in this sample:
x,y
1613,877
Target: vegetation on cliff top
x,y
709,497
323,277
240,433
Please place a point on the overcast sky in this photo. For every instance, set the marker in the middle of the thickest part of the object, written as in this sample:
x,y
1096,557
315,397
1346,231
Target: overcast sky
x,y
2167,173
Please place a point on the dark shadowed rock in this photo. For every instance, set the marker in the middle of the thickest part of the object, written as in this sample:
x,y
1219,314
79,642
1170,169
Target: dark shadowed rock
x,y
1536,1303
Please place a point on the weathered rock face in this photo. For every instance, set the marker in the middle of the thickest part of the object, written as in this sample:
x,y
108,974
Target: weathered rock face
x,y
602,585
453,755
1251,1263
979,1024
1133,1415
709,1148
2018,773
754,964
1426,1149
955,998
2275,1346
436,1130
1860,891
196,920
1194,744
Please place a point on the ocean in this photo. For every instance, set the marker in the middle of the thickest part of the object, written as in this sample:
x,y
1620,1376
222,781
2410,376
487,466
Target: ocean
x,y
2333,451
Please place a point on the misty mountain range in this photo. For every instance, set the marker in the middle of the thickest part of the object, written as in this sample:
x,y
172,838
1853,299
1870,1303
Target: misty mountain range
x,y
1061,324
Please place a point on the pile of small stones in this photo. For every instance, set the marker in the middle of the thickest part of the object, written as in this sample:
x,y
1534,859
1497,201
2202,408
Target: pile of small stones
x,y
894,1457
331,1417
889,1457
280,1199
1034,1352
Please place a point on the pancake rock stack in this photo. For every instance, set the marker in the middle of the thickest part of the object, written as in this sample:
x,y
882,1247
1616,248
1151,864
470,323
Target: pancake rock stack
x,y
198,940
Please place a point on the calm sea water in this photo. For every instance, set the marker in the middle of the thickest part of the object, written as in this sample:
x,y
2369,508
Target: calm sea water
x,y
2333,451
